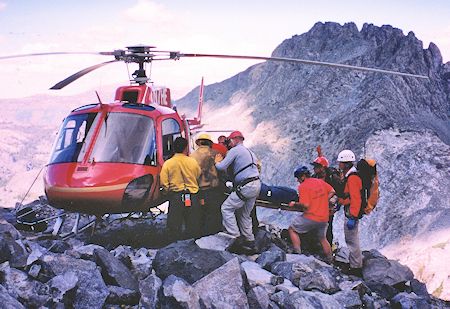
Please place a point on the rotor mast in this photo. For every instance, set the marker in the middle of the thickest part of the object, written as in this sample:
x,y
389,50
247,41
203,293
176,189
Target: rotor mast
x,y
139,54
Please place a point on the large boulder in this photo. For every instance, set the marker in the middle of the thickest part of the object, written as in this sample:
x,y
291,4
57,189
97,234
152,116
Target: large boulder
x,y
311,300
223,286
17,283
8,228
122,296
409,300
114,272
255,274
91,290
149,288
272,255
142,261
220,241
177,293
348,299
384,276
7,301
307,273
258,298
186,260
11,247
60,286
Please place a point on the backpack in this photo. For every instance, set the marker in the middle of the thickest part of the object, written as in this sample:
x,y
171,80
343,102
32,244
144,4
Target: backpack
x,y
333,178
370,193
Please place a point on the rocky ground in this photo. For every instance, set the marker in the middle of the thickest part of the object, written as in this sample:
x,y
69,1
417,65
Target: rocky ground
x,y
130,264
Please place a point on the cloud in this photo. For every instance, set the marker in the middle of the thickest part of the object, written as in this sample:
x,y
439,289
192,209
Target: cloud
x,y
149,11
2,5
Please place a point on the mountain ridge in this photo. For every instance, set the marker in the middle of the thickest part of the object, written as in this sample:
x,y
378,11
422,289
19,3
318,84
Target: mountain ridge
x,y
343,109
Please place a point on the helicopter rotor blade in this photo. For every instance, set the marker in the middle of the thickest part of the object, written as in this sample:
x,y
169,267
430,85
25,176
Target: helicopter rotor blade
x,y
79,74
56,53
177,55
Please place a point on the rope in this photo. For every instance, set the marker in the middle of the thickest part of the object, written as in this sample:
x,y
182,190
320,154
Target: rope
x,y
31,185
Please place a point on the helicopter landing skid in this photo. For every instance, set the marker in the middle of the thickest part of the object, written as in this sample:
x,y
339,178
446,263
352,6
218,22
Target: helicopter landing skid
x,y
68,224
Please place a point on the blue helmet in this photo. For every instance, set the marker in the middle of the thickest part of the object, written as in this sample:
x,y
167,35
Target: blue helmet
x,y
301,170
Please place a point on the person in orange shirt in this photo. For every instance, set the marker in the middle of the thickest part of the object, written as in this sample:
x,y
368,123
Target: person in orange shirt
x,y
314,195
352,206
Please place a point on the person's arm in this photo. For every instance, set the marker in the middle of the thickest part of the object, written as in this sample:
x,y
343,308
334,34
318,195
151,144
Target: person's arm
x,y
164,177
332,197
223,165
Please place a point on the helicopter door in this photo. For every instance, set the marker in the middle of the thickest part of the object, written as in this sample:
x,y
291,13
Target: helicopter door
x,y
170,130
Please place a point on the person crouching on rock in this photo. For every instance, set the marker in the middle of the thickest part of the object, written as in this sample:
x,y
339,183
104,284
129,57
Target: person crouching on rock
x,y
179,180
314,195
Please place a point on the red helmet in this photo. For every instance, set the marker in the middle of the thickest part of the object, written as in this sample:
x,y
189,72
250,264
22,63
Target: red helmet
x,y
322,161
236,134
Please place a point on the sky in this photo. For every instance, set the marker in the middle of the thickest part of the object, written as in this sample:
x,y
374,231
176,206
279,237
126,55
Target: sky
x,y
224,27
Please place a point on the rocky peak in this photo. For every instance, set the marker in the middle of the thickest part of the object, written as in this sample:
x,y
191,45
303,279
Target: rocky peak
x,y
297,107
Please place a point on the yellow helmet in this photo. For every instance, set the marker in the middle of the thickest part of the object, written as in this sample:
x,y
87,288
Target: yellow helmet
x,y
203,136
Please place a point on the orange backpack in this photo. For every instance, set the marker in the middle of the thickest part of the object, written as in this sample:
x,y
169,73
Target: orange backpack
x,y
370,193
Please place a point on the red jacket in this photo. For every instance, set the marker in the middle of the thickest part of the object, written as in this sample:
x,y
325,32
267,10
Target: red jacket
x,y
352,193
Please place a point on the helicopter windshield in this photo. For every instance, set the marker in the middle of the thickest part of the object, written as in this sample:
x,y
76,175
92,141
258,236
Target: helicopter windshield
x,y
126,138
73,136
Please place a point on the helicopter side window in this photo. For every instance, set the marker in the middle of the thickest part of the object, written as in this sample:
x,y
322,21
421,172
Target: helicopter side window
x,y
130,96
170,131
126,138
71,138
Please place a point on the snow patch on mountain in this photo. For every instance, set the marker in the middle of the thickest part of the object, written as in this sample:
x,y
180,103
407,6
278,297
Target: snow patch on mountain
x,y
421,254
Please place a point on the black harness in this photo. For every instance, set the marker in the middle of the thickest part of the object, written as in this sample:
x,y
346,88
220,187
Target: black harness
x,y
238,187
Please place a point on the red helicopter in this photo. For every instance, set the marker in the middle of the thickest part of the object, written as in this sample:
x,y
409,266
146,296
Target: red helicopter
x,y
107,157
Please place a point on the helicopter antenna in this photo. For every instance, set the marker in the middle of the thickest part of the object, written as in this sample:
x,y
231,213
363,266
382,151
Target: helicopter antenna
x,y
200,103
98,97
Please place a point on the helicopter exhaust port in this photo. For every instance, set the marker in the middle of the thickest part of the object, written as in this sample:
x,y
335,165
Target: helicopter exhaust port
x,y
137,192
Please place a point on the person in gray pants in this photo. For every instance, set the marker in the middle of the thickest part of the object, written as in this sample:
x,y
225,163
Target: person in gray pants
x,y
236,209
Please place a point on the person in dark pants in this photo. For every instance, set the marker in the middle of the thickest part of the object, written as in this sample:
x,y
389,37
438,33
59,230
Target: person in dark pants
x,y
179,181
211,193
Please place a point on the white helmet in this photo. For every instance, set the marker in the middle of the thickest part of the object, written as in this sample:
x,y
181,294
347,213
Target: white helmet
x,y
346,156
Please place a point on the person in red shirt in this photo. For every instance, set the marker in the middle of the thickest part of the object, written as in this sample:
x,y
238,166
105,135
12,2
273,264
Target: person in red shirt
x,y
221,145
352,205
314,195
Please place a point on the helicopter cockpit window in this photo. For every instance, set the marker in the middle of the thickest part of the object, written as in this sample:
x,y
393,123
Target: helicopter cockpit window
x,y
126,138
170,131
72,137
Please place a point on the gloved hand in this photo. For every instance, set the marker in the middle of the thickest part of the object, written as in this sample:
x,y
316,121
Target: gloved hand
x,y
351,223
229,184
218,158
